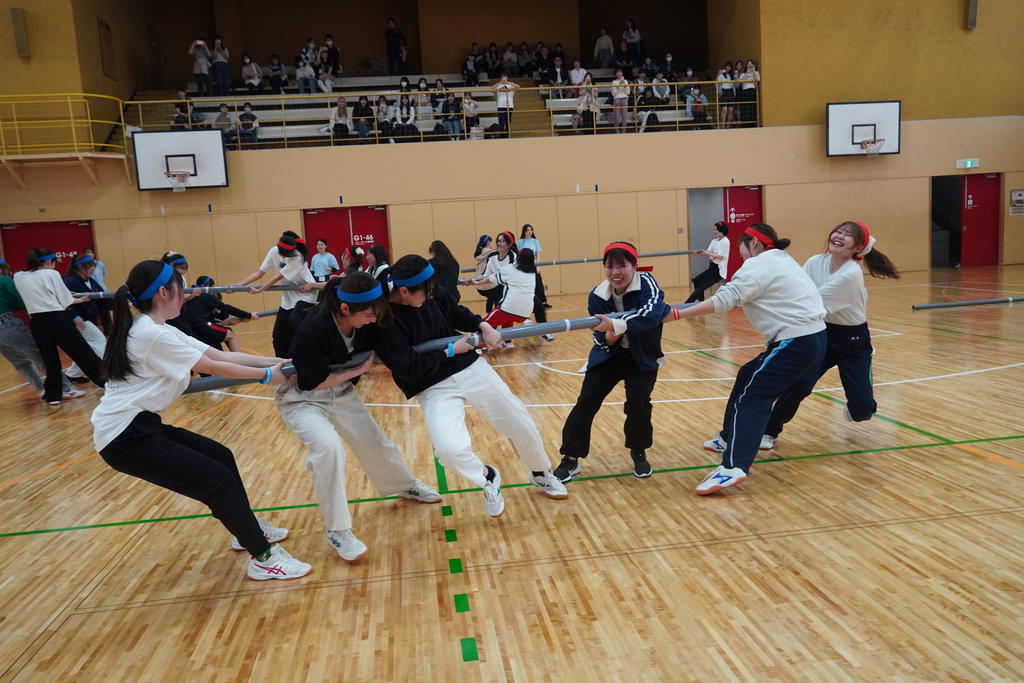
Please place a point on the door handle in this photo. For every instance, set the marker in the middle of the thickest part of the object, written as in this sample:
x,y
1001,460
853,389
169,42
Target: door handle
x,y
963,228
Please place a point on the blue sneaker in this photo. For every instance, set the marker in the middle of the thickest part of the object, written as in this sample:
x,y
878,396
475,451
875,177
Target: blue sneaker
x,y
720,478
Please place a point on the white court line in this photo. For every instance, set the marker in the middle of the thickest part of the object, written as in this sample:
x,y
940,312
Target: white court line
x,y
660,379
16,386
678,400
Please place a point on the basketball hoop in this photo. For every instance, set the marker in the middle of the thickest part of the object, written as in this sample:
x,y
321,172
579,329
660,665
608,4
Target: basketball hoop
x,y
178,180
872,147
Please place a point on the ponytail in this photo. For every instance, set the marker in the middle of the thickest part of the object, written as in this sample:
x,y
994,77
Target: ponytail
x,y
116,365
880,266
767,231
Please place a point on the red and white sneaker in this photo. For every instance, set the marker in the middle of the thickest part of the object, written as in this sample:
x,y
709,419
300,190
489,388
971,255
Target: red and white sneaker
x,y
270,532
280,565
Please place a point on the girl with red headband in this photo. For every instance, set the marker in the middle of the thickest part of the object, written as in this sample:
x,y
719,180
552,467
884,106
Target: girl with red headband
x,y
840,281
288,261
782,303
517,302
627,350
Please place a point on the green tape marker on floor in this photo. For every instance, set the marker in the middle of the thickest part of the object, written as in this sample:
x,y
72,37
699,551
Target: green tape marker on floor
x,y
442,478
461,602
469,653
455,565
446,510
450,536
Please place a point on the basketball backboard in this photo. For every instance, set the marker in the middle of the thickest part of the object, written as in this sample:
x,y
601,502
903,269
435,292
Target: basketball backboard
x,y
847,124
200,152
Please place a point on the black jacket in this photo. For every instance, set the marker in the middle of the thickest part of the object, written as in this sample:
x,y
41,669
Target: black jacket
x,y
318,344
207,308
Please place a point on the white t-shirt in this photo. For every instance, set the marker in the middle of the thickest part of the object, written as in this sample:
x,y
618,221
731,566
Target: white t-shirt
x,y
295,271
843,292
518,298
161,358
492,265
42,290
778,297
506,95
720,247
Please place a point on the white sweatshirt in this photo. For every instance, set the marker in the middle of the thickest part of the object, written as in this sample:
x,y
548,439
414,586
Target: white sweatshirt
x,y
518,298
720,247
842,292
42,290
779,299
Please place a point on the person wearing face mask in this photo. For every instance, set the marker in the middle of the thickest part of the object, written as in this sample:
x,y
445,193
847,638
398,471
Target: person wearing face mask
x,y
252,74
669,68
305,76
221,72
697,108
688,79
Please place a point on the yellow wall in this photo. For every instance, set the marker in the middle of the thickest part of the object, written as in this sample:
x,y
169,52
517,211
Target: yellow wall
x,y
917,51
127,21
448,28
1012,243
53,64
734,32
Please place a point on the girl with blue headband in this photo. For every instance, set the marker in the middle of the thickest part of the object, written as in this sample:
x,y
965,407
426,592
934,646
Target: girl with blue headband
x,y
148,364
79,279
443,382
323,408
46,299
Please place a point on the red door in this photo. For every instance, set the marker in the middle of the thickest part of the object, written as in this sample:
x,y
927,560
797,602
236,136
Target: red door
x,y
65,238
979,220
362,226
742,209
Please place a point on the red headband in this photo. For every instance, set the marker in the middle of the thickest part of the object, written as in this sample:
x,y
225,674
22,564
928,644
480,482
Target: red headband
x,y
628,248
284,245
299,240
509,237
764,239
867,239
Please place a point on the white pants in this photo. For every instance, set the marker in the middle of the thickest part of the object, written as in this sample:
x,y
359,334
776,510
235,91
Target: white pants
x,y
318,417
444,410
95,339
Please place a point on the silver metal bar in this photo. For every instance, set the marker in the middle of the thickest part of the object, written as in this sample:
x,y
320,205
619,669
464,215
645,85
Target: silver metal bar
x,y
597,259
975,302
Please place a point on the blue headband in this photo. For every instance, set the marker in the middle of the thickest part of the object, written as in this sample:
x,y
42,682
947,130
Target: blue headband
x,y
162,279
180,259
361,297
47,257
422,276
203,280
484,240
81,260
2,262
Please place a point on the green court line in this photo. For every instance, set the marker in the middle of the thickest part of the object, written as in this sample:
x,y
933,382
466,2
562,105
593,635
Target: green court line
x,y
450,536
461,602
455,565
510,486
946,329
884,418
442,478
446,510
469,652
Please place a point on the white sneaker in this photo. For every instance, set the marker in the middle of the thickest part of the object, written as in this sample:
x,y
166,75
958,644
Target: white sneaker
x,y
846,414
717,444
494,502
421,493
767,442
72,393
548,337
720,478
270,532
280,565
348,546
550,485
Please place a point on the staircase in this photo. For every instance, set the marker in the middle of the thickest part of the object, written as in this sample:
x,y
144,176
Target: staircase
x,y
527,123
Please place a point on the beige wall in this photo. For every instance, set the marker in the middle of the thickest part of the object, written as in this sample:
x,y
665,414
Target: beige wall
x,y
455,191
1012,242
53,64
734,32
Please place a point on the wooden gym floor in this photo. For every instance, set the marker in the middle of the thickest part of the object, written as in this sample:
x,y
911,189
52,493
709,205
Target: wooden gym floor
x,y
879,550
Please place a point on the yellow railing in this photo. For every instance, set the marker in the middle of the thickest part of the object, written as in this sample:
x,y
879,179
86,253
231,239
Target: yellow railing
x,y
32,124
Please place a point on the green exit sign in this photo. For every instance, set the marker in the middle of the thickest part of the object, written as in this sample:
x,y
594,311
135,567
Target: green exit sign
x,y
967,163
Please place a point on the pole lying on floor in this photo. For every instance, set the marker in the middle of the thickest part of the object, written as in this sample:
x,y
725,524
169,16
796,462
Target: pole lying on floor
x,y
226,289
597,259
975,302
211,383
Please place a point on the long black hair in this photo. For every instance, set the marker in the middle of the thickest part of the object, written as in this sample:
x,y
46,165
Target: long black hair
x,y
879,265
296,250
522,233
300,244
525,261
380,255
37,257
116,364
481,244
443,256
353,283
769,232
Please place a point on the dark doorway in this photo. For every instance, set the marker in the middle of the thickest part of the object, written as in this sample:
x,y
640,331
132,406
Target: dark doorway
x,y
946,221
965,220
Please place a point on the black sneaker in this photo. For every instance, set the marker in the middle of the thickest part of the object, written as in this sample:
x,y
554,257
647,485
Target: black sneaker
x,y
79,380
641,468
567,469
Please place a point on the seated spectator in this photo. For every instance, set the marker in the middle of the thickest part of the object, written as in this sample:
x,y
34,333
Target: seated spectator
x,y
662,90
181,121
697,108
470,109
478,57
649,68
278,76
308,52
623,59
423,96
226,126
669,69
403,84
492,61
325,73
603,49
641,83
588,111
194,117
201,58
332,54
544,64
403,125
382,113
470,75
252,74
221,72
451,109
576,75
362,117
525,60
509,62
248,125
305,76
438,97
559,77
340,122
644,109
688,79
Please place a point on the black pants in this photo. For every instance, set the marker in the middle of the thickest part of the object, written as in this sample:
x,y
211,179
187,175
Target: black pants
x,y
597,384
493,296
285,324
55,329
704,280
189,464
540,314
849,347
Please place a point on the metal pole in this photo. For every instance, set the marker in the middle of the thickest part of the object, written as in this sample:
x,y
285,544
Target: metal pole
x,y
211,383
975,302
227,289
598,259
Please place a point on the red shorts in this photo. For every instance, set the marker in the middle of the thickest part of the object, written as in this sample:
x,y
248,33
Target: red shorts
x,y
499,318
